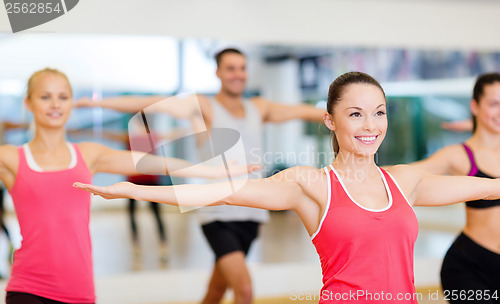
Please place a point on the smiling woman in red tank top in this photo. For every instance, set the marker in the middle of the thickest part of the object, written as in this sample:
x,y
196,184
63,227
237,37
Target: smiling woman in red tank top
x,y
359,216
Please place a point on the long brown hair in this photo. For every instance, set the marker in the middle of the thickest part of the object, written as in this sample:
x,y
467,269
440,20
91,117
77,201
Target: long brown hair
x,y
477,93
336,92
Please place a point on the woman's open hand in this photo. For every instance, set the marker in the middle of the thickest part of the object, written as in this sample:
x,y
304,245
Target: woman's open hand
x,y
119,190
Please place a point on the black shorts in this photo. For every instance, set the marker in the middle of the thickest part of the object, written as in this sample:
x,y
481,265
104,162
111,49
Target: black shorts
x,y
227,237
14,297
472,269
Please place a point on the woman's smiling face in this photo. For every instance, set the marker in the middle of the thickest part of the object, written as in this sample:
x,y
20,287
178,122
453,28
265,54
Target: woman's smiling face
x,y
359,120
50,100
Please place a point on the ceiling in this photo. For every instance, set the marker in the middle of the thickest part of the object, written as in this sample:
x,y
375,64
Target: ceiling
x,y
424,24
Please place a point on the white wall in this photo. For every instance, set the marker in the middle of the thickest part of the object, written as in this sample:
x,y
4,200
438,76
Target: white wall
x,y
280,82
400,23
112,62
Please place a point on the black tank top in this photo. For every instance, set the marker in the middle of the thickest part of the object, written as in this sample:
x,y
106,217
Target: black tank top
x,y
474,171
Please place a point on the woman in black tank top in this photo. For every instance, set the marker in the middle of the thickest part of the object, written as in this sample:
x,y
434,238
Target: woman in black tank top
x,y
472,264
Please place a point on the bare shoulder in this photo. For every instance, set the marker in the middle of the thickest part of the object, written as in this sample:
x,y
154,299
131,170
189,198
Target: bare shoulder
x,y
205,107
453,152
9,163
8,155
263,105
311,181
310,175
407,177
96,155
259,99
90,150
301,174
89,146
203,99
399,171
405,174
8,149
261,102
459,161
447,154
454,157
204,102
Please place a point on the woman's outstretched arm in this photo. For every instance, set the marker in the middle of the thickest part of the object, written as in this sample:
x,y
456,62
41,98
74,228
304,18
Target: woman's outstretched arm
x,y
426,189
129,104
279,192
102,159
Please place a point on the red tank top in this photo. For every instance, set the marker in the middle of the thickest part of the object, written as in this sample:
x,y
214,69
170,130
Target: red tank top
x,y
144,143
55,258
366,255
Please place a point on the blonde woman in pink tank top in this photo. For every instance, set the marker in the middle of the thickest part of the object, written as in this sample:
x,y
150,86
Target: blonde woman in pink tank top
x,y
54,263
359,216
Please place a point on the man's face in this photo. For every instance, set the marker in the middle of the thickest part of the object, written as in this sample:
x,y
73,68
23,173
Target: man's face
x,y
232,73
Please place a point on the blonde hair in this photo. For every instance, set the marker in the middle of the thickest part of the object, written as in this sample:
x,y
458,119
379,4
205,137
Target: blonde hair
x,y
32,80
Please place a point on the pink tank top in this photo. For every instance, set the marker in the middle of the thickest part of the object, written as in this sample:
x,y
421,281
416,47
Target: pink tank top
x,y
366,255
55,258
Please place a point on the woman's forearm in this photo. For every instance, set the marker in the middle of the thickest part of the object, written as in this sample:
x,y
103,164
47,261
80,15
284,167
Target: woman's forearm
x,y
129,104
156,165
185,195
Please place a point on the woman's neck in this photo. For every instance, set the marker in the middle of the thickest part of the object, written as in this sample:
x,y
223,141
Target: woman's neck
x,y
47,140
483,138
355,167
